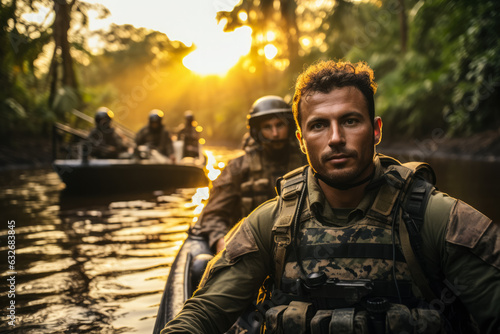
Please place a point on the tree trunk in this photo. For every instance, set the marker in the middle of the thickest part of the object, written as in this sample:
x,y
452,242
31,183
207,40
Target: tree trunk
x,y
61,26
403,26
53,75
288,13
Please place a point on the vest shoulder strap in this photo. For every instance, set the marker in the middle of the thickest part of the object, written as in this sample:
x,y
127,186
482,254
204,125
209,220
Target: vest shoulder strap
x,y
398,177
411,221
420,169
289,188
421,184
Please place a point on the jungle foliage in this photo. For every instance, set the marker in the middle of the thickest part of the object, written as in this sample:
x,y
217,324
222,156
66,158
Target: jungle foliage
x,y
437,64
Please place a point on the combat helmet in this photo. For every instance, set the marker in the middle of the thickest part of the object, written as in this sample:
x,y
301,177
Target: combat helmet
x,y
264,107
103,117
156,116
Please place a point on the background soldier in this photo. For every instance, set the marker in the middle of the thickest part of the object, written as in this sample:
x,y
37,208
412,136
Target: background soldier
x,y
357,240
190,136
103,140
249,180
155,135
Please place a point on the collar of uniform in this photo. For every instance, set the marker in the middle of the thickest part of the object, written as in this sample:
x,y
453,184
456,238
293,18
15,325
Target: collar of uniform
x,y
319,204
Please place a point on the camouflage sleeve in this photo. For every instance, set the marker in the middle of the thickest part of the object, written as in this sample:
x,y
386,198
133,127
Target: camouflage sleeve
x,y
465,248
232,278
223,209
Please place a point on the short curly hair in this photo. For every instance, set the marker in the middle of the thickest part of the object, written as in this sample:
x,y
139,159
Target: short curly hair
x,y
325,76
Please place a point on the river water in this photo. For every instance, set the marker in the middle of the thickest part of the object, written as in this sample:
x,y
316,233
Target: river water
x,y
98,264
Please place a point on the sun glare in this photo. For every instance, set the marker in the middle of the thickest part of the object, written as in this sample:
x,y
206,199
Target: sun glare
x,y
270,51
188,21
219,53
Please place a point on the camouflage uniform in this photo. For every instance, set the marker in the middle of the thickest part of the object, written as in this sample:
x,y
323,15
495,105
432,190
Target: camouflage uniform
x,y
458,244
245,183
159,140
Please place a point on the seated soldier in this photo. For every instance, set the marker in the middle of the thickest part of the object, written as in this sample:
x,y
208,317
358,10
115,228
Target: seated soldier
x,y
190,136
104,142
155,136
249,180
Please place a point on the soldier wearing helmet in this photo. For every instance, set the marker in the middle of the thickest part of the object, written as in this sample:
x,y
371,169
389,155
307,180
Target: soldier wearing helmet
x,y
155,136
249,180
104,142
189,135
356,242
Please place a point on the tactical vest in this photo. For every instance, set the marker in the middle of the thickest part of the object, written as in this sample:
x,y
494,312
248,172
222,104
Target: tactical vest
x,y
341,279
261,177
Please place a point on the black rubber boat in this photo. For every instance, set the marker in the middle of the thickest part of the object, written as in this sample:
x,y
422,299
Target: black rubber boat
x,y
145,170
107,175
184,276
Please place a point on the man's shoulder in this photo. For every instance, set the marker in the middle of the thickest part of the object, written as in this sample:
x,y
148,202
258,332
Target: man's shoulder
x,y
261,221
463,226
143,130
234,168
236,164
93,132
265,214
438,210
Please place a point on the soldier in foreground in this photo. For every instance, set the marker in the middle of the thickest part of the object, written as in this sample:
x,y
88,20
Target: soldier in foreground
x,y
356,242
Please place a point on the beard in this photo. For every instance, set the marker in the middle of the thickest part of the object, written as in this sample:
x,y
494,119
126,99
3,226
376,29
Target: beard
x,y
344,175
346,180
276,149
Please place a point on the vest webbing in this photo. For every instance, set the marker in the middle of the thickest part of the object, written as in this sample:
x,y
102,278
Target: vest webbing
x,y
260,173
289,203
416,192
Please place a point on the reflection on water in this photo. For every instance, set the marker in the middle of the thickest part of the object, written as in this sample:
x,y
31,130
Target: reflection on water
x,y
91,264
99,264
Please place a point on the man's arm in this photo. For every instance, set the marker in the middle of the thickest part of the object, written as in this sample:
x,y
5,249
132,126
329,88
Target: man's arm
x,y
232,278
468,249
223,209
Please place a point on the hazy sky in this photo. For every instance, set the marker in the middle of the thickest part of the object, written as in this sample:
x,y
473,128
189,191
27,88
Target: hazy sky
x,y
189,21
184,20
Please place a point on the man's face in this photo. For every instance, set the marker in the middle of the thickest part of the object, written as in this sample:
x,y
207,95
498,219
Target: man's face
x,y
275,132
154,125
337,134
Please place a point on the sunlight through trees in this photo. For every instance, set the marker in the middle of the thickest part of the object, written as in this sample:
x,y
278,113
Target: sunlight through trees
x,y
437,62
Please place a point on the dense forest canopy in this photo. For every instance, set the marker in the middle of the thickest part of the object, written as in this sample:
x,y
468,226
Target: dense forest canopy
x,y
437,64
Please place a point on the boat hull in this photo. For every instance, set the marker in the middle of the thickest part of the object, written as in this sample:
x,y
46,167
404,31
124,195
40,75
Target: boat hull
x,y
181,282
113,175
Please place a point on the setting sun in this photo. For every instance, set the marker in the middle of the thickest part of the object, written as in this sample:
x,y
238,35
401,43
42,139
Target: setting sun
x,y
219,53
190,21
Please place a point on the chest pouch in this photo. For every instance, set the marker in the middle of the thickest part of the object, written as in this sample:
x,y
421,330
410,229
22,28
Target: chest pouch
x,y
294,318
376,316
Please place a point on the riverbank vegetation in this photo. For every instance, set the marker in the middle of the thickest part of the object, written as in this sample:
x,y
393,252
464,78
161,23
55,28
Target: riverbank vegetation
x,y
437,64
